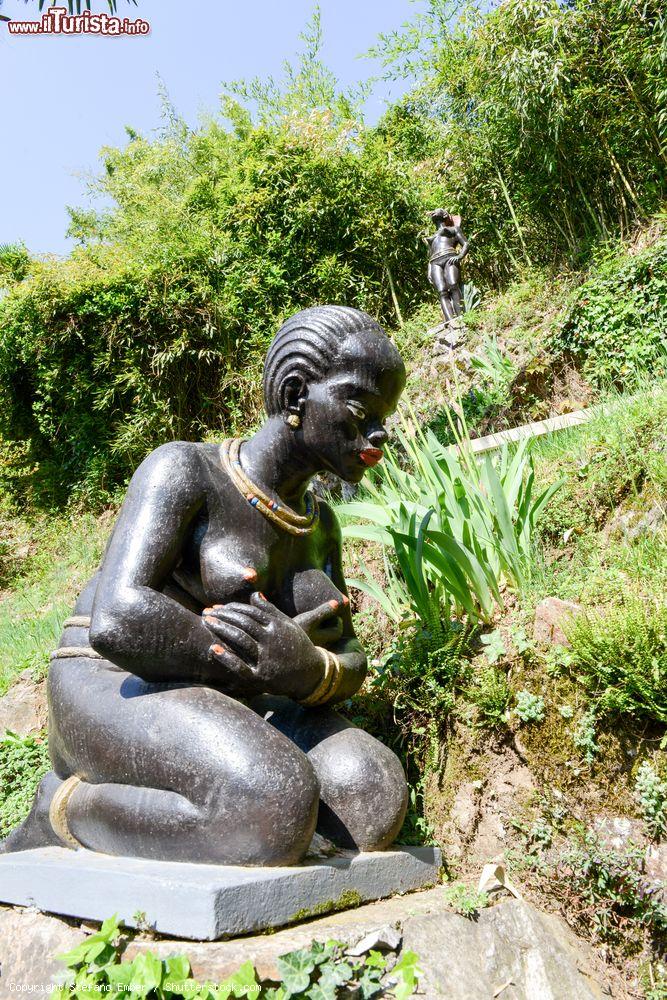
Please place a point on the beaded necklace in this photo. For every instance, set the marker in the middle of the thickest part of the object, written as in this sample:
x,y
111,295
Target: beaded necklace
x,y
279,514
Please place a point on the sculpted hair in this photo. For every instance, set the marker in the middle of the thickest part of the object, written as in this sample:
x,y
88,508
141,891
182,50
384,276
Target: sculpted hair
x,y
308,344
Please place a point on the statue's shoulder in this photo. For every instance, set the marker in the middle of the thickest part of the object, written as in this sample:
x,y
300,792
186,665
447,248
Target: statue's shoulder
x,y
173,459
328,521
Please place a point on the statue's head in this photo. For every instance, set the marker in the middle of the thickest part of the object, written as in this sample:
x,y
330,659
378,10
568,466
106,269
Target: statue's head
x,y
444,218
333,376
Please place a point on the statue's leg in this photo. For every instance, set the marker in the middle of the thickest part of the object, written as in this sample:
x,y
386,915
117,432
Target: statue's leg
x,y
176,772
363,791
438,280
453,280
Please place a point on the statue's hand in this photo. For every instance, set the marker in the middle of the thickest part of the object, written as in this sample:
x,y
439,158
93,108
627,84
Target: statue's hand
x,y
277,649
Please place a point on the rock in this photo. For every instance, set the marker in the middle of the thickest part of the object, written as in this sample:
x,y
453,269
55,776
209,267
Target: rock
x,y
632,524
656,865
465,811
29,942
384,939
512,946
619,833
23,709
551,615
512,951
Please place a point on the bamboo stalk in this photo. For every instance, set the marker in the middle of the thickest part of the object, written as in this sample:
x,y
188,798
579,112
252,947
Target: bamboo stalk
x,y
514,217
392,289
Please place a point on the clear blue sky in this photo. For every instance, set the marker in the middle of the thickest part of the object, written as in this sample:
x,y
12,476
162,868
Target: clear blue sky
x,y
67,96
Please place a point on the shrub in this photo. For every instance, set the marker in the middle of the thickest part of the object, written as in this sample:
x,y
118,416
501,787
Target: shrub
x,y
491,693
156,327
621,659
605,893
617,325
23,763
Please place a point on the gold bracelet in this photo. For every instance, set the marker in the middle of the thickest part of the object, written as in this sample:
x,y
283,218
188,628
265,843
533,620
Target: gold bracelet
x,y
327,688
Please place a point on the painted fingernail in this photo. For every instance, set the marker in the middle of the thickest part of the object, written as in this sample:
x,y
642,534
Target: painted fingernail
x,y
334,604
216,607
211,621
208,611
218,649
250,574
263,596
346,600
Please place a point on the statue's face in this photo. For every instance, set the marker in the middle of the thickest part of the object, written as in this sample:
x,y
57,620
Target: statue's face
x,y
344,414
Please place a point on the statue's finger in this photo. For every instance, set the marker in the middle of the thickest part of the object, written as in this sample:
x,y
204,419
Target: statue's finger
x,y
319,614
248,610
231,662
246,622
237,638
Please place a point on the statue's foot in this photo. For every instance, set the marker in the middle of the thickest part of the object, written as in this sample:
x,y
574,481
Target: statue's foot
x,y
35,830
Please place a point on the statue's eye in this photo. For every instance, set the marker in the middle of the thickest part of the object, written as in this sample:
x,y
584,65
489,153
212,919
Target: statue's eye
x,y
356,409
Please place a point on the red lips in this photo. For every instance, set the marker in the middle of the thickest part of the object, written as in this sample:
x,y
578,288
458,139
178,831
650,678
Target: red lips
x,y
371,456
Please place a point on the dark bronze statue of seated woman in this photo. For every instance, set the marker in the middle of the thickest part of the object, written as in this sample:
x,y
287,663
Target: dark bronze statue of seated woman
x,y
191,697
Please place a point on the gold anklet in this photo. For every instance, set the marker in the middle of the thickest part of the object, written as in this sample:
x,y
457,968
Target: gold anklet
x,y
58,811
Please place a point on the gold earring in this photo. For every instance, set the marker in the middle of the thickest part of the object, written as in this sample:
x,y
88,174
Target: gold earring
x,y
294,420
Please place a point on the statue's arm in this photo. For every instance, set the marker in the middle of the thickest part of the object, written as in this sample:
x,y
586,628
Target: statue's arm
x,y
463,243
132,623
351,653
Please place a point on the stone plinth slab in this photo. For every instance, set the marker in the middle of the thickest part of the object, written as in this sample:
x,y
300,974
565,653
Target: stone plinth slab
x,y
206,902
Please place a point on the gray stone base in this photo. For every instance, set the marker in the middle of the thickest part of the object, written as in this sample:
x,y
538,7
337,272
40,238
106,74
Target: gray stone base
x,y
206,902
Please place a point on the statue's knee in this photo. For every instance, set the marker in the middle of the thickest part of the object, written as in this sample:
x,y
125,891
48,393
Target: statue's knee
x,y
364,794
267,817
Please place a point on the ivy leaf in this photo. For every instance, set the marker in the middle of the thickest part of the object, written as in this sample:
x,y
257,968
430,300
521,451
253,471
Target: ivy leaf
x,y
323,952
336,973
370,984
406,972
147,974
375,960
242,984
322,991
177,967
295,970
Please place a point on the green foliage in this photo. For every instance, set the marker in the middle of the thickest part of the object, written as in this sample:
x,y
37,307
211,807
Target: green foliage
x,y
14,263
420,679
468,902
529,707
157,325
460,528
606,894
51,559
320,972
491,693
617,325
651,796
550,118
23,763
583,737
621,659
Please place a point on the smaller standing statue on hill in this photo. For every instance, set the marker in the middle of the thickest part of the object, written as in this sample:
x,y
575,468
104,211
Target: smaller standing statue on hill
x,y
444,271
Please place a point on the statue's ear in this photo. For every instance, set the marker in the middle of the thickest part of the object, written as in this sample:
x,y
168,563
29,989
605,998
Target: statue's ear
x,y
293,394
456,219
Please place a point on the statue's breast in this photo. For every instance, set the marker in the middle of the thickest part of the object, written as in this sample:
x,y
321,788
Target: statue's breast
x,y
221,564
